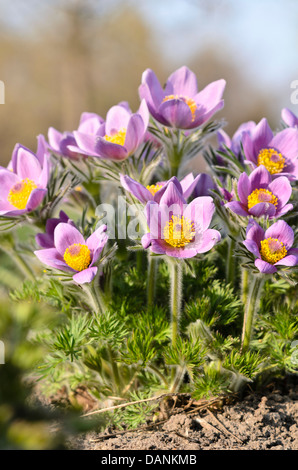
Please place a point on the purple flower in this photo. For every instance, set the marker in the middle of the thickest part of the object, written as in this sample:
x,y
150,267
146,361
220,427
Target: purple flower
x,y
234,143
62,143
180,105
271,248
178,229
23,184
118,137
261,196
46,240
71,253
279,153
289,118
154,192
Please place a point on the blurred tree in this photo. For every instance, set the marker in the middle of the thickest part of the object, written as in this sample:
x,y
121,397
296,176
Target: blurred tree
x,y
77,56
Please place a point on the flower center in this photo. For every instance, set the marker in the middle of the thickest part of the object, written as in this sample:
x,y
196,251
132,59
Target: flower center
x,y
117,138
179,231
261,195
77,256
189,101
272,160
272,250
19,194
153,188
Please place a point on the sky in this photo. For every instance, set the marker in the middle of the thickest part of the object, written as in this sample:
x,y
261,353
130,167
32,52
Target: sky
x,y
261,35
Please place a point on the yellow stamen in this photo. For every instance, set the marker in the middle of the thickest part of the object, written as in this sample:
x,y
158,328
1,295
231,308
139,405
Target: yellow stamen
x,y
189,101
117,138
19,194
272,250
179,231
77,256
261,195
272,160
153,188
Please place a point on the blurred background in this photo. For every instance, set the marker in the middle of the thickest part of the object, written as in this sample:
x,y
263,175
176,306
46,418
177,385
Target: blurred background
x,y
59,58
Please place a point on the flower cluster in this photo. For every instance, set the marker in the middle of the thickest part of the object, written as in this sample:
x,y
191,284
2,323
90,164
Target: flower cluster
x,y
178,208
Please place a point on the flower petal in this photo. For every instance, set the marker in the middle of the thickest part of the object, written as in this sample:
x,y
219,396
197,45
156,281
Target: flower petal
x,y
27,164
109,150
35,199
259,178
238,208
282,189
52,258
265,267
66,235
87,275
290,260
136,189
244,188
200,211
286,142
7,180
282,231
263,209
208,239
117,119
176,113
252,247
182,82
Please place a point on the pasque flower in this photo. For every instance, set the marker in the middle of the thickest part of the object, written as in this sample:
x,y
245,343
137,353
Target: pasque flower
x,y
234,142
278,153
273,247
178,229
65,143
261,196
72,253
23,184
179,104
289,118
46,240
118,137
155,191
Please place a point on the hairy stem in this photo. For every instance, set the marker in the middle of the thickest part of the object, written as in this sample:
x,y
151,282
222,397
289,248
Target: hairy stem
x,y
231,263
245,285
23,265
251,308
176,298
151,284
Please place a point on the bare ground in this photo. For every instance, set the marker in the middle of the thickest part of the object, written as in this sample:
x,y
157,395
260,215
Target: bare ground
x,y
266,420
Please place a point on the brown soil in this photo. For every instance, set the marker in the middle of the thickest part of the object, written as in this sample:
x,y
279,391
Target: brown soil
x,y
259,421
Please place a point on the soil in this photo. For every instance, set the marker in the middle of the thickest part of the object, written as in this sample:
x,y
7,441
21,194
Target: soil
x,y
266,420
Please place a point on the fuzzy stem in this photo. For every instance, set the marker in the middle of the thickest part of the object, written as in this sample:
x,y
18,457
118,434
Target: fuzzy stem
x,y
176,298
251,308
180,372
20,261
96,299
245,285
231,263
114,368
151,284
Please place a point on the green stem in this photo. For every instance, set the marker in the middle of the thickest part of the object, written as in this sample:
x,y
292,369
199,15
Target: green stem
x,y
114,368
176,155
231,263
96,299
245,285
151,284
20,261
176,298
251,308
156,371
